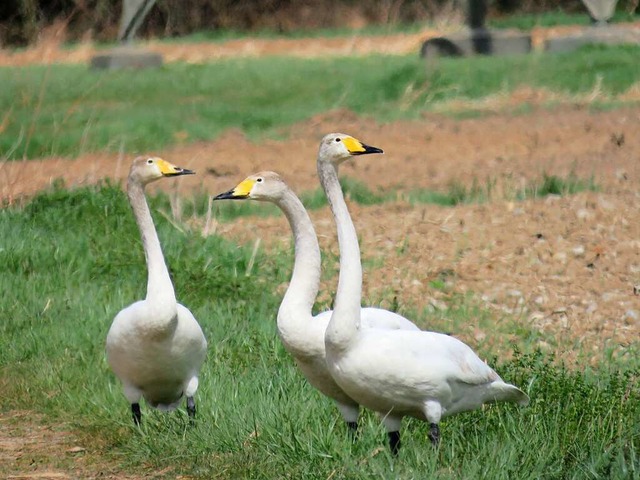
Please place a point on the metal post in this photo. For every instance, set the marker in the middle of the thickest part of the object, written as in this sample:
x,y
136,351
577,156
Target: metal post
x,y
600,10
133,13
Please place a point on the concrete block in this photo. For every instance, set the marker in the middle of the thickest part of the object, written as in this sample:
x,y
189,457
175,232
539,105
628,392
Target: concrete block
x,y
477,41
126,57
601,34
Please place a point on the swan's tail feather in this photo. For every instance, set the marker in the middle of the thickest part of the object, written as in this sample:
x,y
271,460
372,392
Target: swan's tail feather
x,y
165,404
505,392
192,387
167,407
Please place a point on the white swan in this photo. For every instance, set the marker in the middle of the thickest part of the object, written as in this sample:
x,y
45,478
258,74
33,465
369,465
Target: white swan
x,y
155,346
303,334
395,373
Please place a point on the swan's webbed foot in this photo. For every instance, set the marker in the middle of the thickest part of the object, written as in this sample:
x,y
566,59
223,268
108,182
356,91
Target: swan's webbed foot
x,y
434,434
191,408
394,442
136,413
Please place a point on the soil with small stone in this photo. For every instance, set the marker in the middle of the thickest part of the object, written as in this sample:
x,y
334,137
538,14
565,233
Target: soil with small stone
x,y
564,267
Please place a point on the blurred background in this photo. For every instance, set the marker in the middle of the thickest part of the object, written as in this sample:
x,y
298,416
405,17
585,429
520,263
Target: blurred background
x,y
21,21
505,211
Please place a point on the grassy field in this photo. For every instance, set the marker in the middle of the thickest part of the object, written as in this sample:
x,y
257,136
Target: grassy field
x,y
71,259
137,111
257,417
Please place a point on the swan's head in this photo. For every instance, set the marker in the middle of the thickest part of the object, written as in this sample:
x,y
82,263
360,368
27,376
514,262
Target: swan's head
x,y
149,169
265,186
338,147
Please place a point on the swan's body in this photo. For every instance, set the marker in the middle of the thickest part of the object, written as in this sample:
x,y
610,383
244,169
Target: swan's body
x,y
155,346
421,374
302,333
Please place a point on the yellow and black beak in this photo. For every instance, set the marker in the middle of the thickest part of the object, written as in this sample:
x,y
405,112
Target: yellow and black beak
x,y
356,147
169,170
240,192
368,149
181,171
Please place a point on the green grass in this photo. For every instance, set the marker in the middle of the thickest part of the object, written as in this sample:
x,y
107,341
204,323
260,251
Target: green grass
x,y
70,260
456,194
69,110
358,192
554,185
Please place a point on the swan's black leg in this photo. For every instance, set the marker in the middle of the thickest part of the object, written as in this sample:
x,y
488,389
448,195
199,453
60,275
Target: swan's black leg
x,y
136,413
191,408
353,430
434,434
394,442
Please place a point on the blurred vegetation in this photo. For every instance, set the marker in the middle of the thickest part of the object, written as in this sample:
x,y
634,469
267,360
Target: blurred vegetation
x,y
22,21
134,111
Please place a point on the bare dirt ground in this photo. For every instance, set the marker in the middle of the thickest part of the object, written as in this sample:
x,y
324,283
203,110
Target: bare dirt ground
x,y
565,267
32,448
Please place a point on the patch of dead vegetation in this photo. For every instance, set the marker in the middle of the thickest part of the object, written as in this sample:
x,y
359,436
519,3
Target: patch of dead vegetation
x,y
527,96
50,50
31,447
50,47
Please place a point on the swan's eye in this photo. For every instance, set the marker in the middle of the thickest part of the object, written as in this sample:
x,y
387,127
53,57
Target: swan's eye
x,y
259,179
150,161
338,139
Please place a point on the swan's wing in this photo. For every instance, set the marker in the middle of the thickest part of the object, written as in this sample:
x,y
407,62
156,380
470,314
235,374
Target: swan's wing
x,y
471,368
378,318
124,330
372,317
468,369
462,363
190,336
445,358
323,317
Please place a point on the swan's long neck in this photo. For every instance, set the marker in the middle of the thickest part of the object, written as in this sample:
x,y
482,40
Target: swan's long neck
x,y
345,321
295,309
161,296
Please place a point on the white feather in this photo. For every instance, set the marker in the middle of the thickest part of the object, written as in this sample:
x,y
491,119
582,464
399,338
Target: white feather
x,y
155,346
301,333
396,373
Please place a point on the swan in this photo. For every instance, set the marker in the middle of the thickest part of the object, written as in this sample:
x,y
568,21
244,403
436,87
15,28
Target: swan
x,y
302,334
155,346
396,373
